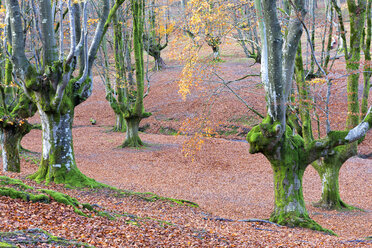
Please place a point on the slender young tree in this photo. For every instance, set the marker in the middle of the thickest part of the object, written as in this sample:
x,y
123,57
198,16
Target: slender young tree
x,y
51,85
287,152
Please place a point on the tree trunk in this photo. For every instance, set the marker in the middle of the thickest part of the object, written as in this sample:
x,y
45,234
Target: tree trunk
x,y
289,200
132,139
11,137
10,143
216,53
290,209
159,62
58,161
120,125
288,160
328,170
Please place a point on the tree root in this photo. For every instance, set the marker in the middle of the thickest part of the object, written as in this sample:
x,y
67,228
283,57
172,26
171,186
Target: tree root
x,y
36,237
151,197
338,205
260,221
243,220
135,143
72,179
28,193
300,221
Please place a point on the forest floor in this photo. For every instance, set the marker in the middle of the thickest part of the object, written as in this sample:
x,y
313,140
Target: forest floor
x,y
227,182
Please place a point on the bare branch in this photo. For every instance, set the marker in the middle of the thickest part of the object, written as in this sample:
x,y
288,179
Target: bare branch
x,y
61,36
237,95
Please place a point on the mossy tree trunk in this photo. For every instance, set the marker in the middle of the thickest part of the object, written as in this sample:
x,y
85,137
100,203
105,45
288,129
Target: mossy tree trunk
x,y
136,112
11,136
289,159
329,167
289,202
120,124
132,139
128,100
14,108
290,209
118,89
58,162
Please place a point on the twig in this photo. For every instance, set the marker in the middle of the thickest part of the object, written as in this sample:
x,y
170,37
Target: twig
x,y
243,220
260,221
237,95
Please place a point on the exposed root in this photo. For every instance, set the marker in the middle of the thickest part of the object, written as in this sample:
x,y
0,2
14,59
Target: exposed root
x,y
133,143
297,221
72,179
36,237
28,193
338,205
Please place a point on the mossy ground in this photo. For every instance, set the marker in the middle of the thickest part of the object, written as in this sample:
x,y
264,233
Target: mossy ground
x,y
17,189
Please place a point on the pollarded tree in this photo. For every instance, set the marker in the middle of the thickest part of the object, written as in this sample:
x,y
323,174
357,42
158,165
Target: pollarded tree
x,y
130,101
329,167
287,153
209,21
156,30
115,92
246,29
15,107
50,84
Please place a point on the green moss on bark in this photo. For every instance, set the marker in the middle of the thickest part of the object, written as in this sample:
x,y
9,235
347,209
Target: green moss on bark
x,y
288,160
12,132
328,170
72,178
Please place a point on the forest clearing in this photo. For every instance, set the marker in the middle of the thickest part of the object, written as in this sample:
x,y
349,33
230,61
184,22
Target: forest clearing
x,y
200,173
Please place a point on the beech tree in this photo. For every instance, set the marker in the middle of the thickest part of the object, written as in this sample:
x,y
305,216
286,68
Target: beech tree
x,y
156,30
128,101
287,152
122,46
50,83
329,167
15,107
208,21
246,29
